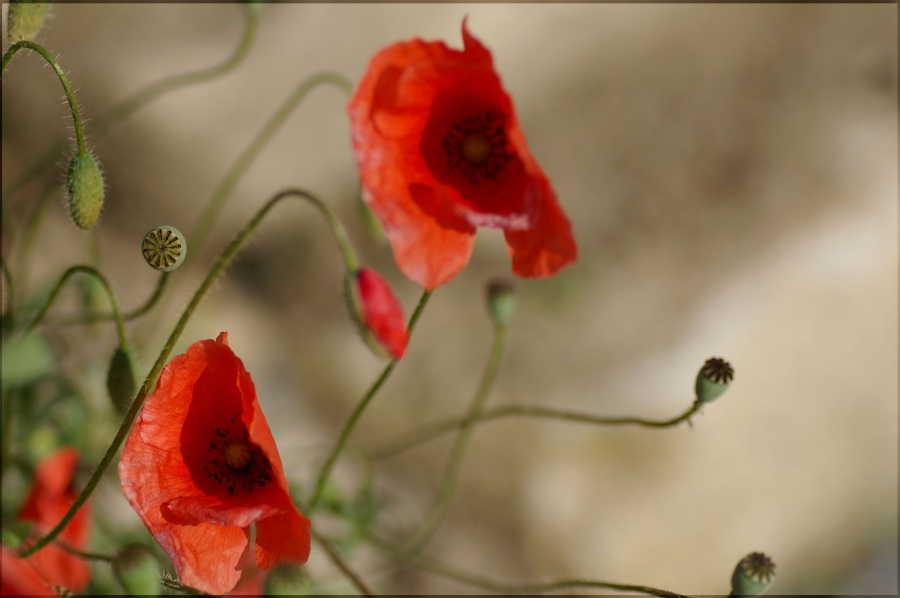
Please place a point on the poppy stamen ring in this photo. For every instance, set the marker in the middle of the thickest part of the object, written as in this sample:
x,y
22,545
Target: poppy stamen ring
x,y
475,147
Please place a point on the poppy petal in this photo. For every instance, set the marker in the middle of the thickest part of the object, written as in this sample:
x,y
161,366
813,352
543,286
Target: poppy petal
x,y
283,538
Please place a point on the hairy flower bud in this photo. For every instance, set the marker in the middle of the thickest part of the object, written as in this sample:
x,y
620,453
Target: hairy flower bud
x,y
137,570
86,190
120,379
713,379
753,576
25,19
501,301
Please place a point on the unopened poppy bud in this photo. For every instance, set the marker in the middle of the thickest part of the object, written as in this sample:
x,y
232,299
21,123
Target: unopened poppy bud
x,y
713,379
86,192
501,301
138,571
120,379
753,576
377,312
288,580
164,248
25,19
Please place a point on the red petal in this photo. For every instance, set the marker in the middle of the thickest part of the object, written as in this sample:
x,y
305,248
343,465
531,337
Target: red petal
x,y
548,245
46,504
381,312
282,539
18,576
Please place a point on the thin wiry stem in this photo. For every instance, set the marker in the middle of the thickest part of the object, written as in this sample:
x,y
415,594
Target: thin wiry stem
x,y
434,430
129,315
197,236
120,323
224,259
325,472
341,564
454,464
433,566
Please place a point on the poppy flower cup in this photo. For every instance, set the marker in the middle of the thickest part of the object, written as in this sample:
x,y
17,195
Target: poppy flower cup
x,y
200,466
440,152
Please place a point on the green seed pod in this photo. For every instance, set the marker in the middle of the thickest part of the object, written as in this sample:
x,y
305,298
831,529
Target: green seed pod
x,y
86,192
164,248
138,571
120,379
25,19
501,301
753,576
288,580
713,379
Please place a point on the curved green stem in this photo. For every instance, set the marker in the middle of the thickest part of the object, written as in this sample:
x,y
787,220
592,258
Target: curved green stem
x,y
224,259
115,115
198,235
325,472
431,431
120,323
340,563
88,556
454,464
73,106
444,570
129,315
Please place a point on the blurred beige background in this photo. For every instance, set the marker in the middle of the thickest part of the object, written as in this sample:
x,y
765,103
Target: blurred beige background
x,y
731,175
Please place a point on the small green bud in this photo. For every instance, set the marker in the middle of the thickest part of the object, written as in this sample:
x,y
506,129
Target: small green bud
x,y
120,379
501,301
138,571
753,575
86,193
288,580
25,19
713,379
164,248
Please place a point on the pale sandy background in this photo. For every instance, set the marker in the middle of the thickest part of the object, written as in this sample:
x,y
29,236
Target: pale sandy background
x,y
731,174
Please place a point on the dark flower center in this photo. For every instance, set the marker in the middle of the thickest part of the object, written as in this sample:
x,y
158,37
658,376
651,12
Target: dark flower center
x,y
475,147
236,463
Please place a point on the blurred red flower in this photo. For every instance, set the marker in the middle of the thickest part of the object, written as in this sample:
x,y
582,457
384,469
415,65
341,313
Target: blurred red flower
x,y
47,502
440,152
378,311
200,466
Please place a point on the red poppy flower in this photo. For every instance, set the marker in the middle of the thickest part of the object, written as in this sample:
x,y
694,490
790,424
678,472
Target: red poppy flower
x,y
50,498
378,311
18,577
440,152
200,466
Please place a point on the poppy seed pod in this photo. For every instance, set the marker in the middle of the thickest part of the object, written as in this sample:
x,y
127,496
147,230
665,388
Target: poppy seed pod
x,y
164,248
501,301
25,20
137,570
753,576
120,379
713,379
86,190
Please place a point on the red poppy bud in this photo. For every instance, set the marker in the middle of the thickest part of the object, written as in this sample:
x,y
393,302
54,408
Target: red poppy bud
x,y
440,152
377,312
